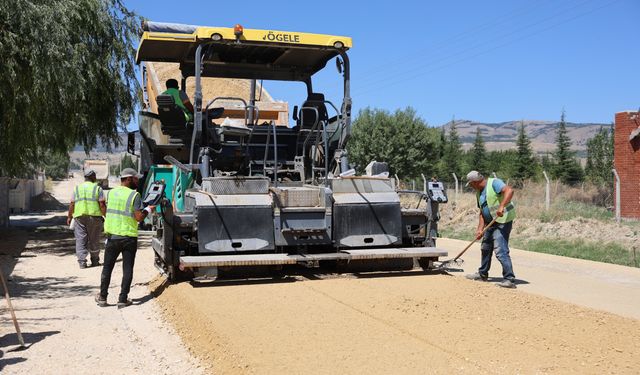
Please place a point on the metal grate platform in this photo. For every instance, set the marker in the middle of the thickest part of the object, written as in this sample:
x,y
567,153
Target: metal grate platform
x,y
233,185
277,259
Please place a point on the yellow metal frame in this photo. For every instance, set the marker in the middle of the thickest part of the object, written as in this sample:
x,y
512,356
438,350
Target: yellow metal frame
x,y
252,35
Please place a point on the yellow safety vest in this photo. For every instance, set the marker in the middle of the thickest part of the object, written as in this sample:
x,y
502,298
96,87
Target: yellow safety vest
x,y
86,200
120,219
493,202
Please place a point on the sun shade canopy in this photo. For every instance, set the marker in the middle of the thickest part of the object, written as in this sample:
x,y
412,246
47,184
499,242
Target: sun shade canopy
x,y
254,54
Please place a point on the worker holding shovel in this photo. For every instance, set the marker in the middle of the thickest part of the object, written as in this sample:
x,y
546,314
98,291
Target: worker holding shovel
x,y
494,200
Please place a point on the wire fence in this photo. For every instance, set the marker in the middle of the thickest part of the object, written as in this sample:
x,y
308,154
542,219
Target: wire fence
x,y
542,195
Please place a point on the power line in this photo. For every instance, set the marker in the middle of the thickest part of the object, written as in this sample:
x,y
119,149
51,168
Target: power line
x,y
455,39
396,81
462,52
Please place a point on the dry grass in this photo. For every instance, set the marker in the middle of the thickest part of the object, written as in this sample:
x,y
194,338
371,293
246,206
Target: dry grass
x,y
572,221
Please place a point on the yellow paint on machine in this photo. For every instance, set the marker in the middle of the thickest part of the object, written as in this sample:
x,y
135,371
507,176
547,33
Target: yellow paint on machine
x,y
252,35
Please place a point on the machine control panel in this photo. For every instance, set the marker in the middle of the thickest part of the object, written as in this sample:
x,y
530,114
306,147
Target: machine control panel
x,y
154,194
437,192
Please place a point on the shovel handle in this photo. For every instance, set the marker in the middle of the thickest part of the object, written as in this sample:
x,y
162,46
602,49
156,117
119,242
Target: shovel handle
x,y
475,239
13,314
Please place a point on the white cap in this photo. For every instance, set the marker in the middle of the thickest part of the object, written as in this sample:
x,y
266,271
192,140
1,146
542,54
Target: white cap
x,y
474,176
129,172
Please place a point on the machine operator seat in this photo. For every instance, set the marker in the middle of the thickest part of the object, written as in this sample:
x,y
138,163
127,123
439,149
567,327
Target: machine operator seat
x,y
172,117
308,116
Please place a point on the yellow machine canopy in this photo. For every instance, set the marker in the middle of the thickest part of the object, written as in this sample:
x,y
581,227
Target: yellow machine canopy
x,y
238,52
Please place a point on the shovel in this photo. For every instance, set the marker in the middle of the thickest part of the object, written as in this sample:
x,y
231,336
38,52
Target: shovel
x,y
22,346
457,261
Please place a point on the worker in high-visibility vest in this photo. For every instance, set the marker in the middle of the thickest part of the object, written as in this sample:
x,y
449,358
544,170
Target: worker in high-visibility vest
x,y
124,212
87,208
494,201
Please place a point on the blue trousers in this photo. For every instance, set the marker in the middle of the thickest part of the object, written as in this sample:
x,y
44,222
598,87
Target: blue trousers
x,y
496,240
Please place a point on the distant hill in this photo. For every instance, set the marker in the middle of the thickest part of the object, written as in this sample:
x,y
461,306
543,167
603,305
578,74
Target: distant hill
x,y
497,136
502,135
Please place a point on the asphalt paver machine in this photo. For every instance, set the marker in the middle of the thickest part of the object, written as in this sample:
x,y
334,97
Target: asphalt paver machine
x,y
240,191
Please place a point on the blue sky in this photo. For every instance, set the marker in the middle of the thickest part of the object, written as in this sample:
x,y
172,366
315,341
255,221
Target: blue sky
x,y
488,61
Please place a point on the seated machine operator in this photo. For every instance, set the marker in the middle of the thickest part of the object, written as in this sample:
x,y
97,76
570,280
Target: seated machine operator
x,y
180,97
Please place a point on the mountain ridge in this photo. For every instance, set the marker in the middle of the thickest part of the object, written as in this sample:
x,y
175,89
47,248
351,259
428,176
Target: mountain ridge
x,y
503,135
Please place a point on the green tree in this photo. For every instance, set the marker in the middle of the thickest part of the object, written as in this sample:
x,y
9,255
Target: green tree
x,y
478,154
566,167
502,163
67,77
401,139
525,163
443,143
600,158
56,165
546,162
126,161
451,161
129,162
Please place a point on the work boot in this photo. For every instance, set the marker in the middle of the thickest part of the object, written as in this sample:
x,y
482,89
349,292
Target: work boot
x,y
476,276
83,265
126,303
95,263
102,302
506,283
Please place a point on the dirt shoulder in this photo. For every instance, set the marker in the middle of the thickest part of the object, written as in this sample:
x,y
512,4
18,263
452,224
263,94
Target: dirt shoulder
x,y
65,330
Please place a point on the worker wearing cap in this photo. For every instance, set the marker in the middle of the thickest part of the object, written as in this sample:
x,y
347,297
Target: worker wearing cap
x,y
493,197
180,98
87,207
124,212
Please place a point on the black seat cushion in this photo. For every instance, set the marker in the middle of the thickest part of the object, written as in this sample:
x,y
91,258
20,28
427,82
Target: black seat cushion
x,y
308,117
171,116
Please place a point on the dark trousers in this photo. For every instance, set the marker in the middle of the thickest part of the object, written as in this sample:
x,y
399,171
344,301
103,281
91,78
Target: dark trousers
x,y
127,247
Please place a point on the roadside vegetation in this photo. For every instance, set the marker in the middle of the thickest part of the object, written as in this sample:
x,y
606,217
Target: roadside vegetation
x,y
573,226
579,222
412,148
609,252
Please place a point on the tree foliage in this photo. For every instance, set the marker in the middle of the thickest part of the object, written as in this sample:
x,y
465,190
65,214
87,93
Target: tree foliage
x,y
401,139
600,158
566,167
126,161
478,154
56,165
452,159
502,163
67,77
525,163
